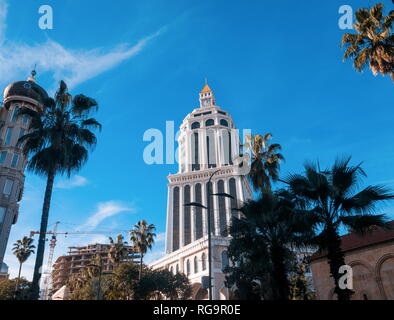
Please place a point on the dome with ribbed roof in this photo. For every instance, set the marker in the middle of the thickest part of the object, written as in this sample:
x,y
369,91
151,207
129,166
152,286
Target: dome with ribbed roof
x,y
28,88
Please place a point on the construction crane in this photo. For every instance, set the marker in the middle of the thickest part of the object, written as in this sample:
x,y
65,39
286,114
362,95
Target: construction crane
x,y
52,244
47,275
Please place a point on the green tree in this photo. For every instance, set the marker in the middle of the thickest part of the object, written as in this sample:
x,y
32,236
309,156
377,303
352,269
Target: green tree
x,y
143,237
331,198
265,163
163,284
299,286
373,43
57,143
263,239
118,251
22,250
7,289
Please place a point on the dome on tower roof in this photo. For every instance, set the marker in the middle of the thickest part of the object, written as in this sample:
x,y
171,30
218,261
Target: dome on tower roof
x,y
28,88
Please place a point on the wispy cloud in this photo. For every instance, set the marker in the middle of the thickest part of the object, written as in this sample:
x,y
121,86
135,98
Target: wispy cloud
x,y
73,66
75,181
3,16
104,211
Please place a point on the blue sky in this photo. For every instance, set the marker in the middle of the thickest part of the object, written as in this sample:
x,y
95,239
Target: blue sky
x,y
276,67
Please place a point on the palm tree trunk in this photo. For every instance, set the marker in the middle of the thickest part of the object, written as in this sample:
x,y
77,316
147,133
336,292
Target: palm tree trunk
x,y
41,240
336,259
139,277
17,280
282,283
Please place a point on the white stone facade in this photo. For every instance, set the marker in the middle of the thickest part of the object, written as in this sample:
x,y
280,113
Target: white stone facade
x,y
208,143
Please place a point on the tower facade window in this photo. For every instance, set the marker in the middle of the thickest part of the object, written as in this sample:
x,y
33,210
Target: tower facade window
x,y
15,160
211,154
195,148
198,215
233,193
223,123
22,133
225,261
2,214
222,210
187,217
195,125
209,122
188,267
8,187
8,136
204,261
14,116
3,157
195,264
175,223
212,211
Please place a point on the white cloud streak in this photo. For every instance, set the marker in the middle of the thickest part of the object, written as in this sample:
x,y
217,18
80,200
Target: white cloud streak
x,y
74,182
104,211
72,66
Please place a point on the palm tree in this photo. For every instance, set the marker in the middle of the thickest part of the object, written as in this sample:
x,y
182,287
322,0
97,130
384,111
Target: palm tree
x,y
22,250
268,230
118,251
57,143
330,196
265,161
143,238
373,44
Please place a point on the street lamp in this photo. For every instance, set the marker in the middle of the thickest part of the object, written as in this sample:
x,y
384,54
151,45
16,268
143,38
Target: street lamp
x,y
208,208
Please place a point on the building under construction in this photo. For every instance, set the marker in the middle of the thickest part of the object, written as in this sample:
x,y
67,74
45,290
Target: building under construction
x,y
79,258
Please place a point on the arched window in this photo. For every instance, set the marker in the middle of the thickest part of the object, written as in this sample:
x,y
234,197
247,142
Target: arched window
x,y
187,217
222,210
223,123
195,265
225,261
195,125
204,261
209,122
195,148
211,156
188,267
175,221
233,193
198,212
212,211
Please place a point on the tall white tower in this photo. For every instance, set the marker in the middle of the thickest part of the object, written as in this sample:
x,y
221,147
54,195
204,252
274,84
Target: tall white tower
x,y
208,142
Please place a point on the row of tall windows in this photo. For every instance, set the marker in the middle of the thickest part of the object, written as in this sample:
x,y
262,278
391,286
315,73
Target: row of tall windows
x,y
195,214
225,148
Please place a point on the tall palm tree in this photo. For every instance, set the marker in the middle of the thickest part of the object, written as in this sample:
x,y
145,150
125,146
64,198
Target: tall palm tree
x,y
330,196
57,143
265,161
373,44
22,250
143,237
118,251
268,230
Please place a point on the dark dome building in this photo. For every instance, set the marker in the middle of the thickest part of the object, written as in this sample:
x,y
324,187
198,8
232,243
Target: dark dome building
x,y
17,95
25,91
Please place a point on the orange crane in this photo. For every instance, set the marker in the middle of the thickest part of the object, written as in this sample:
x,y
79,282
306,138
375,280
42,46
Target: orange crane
x,y
52,244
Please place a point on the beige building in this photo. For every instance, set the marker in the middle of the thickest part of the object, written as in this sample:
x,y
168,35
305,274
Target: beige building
x,y
19,94
372,260
208,143
78,258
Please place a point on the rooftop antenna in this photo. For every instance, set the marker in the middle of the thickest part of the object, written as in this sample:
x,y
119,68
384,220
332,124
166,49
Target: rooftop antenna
x,y
33,74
